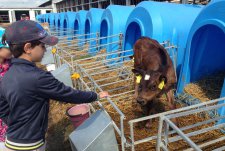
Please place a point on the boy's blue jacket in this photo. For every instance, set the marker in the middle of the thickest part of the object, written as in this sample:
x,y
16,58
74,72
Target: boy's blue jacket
x,y
25,91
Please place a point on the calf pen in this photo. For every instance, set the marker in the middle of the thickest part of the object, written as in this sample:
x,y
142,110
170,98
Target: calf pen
x,y
111,71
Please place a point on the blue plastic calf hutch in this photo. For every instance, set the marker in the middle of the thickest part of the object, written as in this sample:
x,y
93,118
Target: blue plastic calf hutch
x,y
113,23
161,21
79,26
63,24
51,19
57,21
38,18
42,18
47,18
92,27
70,19
205,53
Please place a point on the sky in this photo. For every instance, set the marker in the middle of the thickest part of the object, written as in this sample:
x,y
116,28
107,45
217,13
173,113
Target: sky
x,y
20,3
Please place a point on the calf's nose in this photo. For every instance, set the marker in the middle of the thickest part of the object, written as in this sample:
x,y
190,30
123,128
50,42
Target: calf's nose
x,y
140,101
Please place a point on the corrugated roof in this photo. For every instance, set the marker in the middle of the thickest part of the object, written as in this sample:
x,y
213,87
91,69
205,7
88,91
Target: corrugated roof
x,y
46,3
57,1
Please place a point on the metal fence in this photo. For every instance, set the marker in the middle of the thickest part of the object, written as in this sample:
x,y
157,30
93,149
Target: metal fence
x,y
105,69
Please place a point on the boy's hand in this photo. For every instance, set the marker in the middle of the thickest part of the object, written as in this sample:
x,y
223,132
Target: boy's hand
x,y
103,94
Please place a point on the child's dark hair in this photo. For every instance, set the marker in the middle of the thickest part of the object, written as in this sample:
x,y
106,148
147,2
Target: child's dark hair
x,y
18,49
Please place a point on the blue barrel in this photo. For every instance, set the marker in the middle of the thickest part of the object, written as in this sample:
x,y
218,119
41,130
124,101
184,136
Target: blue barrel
x,y
113,22
92,27
161,21
79,26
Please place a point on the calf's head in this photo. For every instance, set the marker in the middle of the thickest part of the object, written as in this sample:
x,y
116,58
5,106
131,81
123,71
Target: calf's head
x,y
150,85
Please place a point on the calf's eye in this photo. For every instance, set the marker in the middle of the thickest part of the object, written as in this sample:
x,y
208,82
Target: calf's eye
x,y
152,87
139,88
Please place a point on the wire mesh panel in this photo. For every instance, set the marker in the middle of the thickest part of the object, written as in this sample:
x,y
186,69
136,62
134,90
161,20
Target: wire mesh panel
x,y
86,4
94,3
135,2
104,4
119,2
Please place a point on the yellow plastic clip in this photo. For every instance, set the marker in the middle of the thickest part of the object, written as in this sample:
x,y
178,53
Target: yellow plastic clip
x,y
54,50
75,76
138,79
161,85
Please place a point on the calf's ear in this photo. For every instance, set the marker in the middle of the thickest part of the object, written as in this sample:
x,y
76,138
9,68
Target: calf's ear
x,y
134,71
131,57
137,71
163,78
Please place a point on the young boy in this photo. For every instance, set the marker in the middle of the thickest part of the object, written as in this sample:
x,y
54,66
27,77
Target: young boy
x,y
25,89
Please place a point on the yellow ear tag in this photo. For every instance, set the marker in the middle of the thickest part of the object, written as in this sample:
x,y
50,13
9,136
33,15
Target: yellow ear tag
x,y
133,60
75,76
138,79
54,50
161,85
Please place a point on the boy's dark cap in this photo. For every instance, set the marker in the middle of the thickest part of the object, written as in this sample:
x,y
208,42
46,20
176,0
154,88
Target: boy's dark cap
x,y
26,31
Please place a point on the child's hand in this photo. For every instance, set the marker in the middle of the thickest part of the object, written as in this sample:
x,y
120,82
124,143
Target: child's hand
x,y
103,94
